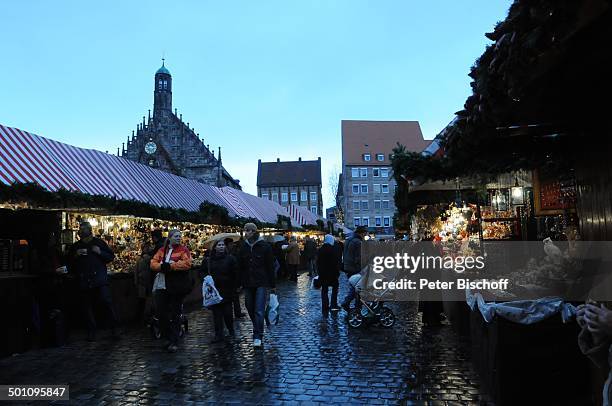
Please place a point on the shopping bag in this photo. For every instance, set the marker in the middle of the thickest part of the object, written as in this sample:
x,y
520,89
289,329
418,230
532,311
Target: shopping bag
x,y
210,294
316,283
272,310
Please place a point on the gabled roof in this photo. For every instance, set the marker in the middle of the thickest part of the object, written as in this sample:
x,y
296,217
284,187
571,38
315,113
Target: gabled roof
x,y
361,137
289,173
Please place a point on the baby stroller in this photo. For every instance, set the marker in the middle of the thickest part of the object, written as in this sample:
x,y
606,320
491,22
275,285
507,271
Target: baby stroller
x,y
156,328
369,312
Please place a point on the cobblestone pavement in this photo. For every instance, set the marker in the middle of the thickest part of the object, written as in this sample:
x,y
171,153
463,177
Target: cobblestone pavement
x,y
305,359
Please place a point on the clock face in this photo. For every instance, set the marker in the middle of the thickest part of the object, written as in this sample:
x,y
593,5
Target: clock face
x,y
150,147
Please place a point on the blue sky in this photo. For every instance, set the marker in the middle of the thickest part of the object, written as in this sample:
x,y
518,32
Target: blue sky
x,y
261,79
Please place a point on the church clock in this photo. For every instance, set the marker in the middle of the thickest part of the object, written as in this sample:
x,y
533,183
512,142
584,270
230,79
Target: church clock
x,y
150,147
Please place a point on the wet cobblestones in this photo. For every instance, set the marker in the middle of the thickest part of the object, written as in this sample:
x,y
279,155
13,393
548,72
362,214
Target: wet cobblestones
x,y
306,359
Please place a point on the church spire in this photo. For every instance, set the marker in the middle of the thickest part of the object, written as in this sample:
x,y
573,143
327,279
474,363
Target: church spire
x,y
162,93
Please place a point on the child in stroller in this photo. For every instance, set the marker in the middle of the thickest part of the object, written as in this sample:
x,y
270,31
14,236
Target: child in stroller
x,y
368,311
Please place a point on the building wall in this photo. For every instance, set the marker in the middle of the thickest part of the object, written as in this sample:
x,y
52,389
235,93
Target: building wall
x,y
268,192
374,204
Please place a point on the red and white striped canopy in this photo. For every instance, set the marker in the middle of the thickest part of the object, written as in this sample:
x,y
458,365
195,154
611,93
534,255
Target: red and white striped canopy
x,y
24,159
302,216
27,157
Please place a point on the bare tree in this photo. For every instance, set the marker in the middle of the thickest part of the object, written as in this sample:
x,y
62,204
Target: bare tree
x,y
333,183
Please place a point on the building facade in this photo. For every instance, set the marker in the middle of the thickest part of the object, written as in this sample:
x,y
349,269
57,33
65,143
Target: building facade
x,y
366,188
291,183
163,141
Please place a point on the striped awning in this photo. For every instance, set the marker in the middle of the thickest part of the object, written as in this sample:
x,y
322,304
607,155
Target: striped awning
x,y
24,159
301,215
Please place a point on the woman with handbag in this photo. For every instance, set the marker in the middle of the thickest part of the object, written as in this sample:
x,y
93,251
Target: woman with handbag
x,y
223,267
172,283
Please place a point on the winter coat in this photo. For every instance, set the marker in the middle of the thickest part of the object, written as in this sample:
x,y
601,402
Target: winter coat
x,y
601,355
91,268
256,264
339,248
352,255
310,249
178,280
293,254
327,264
224,271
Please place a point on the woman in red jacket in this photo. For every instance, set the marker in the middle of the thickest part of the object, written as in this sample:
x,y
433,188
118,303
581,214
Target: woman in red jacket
x,y
172,283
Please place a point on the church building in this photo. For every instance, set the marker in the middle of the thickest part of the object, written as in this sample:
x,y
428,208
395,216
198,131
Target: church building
x,y
163,141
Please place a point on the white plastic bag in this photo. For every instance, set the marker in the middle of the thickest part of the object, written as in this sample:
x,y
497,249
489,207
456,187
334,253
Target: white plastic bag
x,y
210,294
315,283
272,310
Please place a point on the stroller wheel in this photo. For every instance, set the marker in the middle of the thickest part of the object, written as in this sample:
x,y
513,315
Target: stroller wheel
x,y
355,319
183,326
387,318
155,331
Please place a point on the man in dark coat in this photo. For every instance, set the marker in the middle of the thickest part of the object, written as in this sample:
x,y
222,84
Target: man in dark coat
x,y
232,249
279,254
327,264
352,262
87,260
256,263
310,252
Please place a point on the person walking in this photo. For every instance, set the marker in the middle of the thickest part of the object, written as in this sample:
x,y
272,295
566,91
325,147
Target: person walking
x,y
256,264
279,254
327,264
172,283
223,267
352,263
293,258
87,259
310,253
232,249
143,278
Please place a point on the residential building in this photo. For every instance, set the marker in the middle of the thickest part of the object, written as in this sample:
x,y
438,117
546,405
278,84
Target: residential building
x,y
291,183
367,189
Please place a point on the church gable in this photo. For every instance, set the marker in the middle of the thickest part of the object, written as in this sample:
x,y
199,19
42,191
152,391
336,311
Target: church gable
x,y
165,142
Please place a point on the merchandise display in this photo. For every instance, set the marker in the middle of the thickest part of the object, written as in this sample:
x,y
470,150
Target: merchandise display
x,y
127,236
